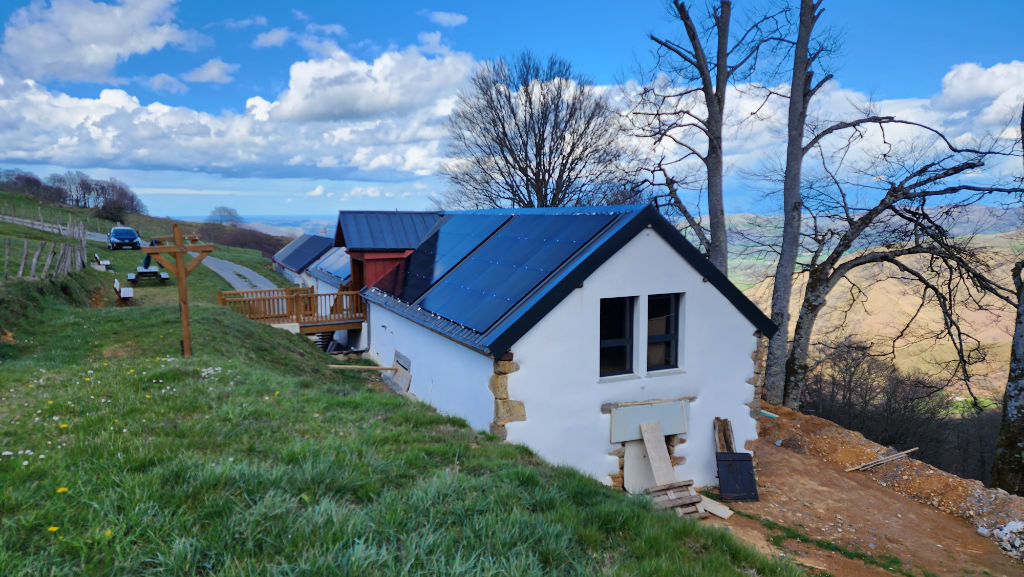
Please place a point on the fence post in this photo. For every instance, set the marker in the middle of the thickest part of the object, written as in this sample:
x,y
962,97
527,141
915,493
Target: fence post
x,y
7,257
24,255
49,259
35,259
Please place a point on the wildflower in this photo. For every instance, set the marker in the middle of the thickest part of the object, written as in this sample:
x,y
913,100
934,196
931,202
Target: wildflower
x,y
53,529
131,370
148,397
50,402
108,533
63,425
88,379
62,489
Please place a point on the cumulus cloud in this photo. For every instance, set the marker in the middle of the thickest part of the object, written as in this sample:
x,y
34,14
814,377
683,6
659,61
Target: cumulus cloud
x,y
215,70
343,87
275,37
82,40
448,19
167,83
318,191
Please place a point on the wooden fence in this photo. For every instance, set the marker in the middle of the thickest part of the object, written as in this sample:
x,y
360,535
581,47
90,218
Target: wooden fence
x,y
296,305
23,258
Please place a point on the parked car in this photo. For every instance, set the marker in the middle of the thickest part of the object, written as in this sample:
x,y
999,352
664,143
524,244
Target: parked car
x,y
123,237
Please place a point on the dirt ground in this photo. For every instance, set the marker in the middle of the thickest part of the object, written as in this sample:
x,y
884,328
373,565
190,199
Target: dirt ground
x,y
906,510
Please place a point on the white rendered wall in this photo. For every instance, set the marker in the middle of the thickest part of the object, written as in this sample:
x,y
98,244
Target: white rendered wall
x,y
558,379
449,376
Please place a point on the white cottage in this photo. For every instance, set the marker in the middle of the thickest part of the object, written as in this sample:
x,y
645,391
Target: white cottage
x,y
559,328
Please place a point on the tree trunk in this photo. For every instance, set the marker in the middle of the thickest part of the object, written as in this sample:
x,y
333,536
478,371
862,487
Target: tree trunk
x,y
799,349
1008,464
792,205
719,250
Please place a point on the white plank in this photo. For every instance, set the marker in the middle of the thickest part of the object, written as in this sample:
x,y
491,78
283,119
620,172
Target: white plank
x,y
715,508
657,453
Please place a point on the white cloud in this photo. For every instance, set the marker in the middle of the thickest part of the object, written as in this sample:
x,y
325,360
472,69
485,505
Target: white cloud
x,y
448,19
318,191
328,29
215,70
167,83
300,15
274,37
245,23
343,87
82,40
363,191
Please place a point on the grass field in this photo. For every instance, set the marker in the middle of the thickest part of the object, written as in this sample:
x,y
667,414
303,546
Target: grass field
x,y
118,457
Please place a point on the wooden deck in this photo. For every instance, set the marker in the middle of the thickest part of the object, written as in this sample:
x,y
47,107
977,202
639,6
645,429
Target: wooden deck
x,y
313,312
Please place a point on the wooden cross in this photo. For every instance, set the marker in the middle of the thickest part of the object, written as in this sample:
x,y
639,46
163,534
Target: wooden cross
x,y
178,248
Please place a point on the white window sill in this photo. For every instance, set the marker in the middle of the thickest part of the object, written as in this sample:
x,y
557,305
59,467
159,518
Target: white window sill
x,y
618,378
666,372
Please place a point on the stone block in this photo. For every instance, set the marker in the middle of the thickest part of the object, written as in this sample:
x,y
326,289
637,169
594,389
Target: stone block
x,y
498,386
505,367
507,411
499,430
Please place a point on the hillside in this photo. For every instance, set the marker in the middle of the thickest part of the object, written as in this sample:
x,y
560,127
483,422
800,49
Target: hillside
x,y
117,457
878,307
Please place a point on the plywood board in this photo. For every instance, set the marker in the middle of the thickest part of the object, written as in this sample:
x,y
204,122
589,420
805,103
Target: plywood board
x,y
626,420
637,475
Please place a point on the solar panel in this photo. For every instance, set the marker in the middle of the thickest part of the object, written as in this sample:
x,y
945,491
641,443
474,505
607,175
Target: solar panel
x,y
455,237
503,270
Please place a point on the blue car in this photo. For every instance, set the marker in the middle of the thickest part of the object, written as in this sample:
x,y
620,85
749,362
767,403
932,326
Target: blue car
x,y
123,237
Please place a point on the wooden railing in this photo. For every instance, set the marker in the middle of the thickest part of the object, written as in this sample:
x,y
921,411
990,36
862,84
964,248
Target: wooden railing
x,y
296,305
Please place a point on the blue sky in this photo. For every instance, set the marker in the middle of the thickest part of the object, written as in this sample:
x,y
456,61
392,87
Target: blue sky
x,y
309,107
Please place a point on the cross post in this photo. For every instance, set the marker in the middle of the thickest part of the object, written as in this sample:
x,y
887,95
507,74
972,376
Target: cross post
x,y
175,245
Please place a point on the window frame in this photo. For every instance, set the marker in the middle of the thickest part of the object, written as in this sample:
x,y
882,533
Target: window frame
x,y
627,341
672,336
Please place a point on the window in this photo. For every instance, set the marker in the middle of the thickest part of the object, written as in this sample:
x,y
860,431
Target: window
x,y
662,332
616,336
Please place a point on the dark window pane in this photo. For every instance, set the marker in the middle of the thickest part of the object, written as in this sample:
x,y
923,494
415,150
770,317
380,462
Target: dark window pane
x,y
615,361
662,331
616,336
614,318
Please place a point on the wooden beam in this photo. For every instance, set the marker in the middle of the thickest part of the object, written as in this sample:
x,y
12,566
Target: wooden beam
x,y
163,262
881,461
657,453
195,262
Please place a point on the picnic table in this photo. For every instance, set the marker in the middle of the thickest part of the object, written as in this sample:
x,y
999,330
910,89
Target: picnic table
x,y
150,272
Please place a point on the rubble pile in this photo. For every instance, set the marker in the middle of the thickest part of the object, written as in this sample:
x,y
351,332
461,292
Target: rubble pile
x,y
1010,538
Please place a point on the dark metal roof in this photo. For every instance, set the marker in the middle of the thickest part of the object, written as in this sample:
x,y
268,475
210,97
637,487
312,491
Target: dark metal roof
x,y
372,230
301,252
484,278
334,267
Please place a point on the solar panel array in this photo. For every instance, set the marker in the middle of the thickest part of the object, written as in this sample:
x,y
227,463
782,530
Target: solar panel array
x,y
476,267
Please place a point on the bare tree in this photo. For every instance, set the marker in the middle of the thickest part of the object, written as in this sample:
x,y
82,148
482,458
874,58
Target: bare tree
x,y
894,214
801,137
683,105
535,134
1008,463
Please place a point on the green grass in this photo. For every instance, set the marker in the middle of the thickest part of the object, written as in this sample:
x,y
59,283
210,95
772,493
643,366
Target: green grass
x,y
252,458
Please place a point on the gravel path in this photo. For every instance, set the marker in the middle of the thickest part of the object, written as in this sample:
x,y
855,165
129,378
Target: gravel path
x,y
239,277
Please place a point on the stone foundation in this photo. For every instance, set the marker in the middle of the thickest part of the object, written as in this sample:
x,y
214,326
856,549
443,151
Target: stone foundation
x,y
506,410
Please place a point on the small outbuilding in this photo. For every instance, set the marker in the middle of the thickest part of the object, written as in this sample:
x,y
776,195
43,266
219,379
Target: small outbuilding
x,y
564,329
292,260
377,240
